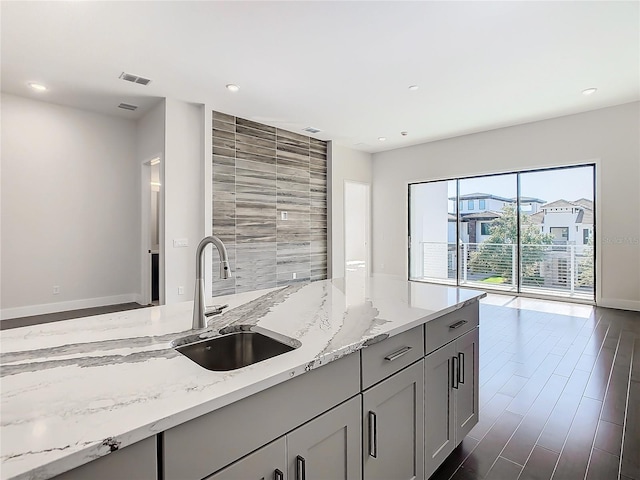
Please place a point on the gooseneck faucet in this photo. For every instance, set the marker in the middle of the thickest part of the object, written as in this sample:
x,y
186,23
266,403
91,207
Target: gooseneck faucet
x,y
199,319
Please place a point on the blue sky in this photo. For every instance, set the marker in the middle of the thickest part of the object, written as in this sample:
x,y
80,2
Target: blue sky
x,y
550,185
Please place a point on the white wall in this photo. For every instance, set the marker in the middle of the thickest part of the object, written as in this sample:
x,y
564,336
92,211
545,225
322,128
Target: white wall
x,y
610,136
70,208
183,186
344,164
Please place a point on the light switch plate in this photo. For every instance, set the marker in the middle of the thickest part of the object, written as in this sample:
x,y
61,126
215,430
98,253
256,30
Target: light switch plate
x,y
180,242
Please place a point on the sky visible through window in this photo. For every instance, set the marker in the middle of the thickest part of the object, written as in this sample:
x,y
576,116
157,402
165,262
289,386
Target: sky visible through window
x,y
548,185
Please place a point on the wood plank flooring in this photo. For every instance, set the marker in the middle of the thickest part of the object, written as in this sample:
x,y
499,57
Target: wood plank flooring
x,y
559,395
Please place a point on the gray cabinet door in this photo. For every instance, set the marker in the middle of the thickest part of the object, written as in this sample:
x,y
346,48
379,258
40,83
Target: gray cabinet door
x,y
466,396
327,447
393,427
267,463
439,407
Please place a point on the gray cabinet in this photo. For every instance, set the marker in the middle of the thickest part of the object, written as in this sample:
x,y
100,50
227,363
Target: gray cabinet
x,y
327,447
137,461
267,463
393,426
207,444
451,397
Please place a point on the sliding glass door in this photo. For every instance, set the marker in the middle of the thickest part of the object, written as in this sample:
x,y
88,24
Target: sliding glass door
x,y
556,232
530,232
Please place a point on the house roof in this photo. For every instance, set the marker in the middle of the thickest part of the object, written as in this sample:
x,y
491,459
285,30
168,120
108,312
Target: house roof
x,y
481,196
530,200
584,202
486,215
536,218
585,216
559,204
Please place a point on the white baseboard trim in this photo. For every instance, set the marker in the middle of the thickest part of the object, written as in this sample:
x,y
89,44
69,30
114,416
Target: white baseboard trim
x,y
620,304
16,312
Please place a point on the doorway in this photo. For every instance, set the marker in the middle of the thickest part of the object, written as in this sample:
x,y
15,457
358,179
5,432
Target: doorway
x,y
150,225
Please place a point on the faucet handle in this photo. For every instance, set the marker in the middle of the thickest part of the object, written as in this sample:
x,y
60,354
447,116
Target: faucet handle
x,y
214,310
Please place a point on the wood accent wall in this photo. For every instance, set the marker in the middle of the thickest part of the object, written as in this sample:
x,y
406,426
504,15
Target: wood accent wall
x,y
259,172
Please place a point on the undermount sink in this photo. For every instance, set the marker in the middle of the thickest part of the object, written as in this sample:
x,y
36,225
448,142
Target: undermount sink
x,y
237,349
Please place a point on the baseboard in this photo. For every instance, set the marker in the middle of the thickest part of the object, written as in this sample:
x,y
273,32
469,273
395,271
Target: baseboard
x,y
619,304
27,311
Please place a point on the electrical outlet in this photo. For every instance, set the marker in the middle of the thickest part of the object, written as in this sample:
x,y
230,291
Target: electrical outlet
x,y
295,275
284,215
180,290
56,289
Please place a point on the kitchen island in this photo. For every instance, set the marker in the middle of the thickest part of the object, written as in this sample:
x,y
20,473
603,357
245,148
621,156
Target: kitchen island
x,y
77,390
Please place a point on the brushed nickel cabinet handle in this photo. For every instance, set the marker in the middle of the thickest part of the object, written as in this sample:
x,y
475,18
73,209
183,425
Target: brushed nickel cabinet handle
x,y
455,365
373,435
461,367
300,468
453,326
397,354
278,475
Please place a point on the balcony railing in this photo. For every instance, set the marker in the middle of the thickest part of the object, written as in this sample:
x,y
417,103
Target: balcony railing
x,y
565,270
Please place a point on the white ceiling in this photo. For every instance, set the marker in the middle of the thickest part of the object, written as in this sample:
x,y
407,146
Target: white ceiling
x,y
342,67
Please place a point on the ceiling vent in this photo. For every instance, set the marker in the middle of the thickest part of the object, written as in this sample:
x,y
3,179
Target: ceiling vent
x,y
311,130
134,78
127,106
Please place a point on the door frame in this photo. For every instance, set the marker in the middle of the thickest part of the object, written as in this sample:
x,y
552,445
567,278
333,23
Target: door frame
x,y
145,232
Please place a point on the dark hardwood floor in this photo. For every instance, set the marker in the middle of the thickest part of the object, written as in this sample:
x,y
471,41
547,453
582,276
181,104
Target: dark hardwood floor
x,y
559,395
66,315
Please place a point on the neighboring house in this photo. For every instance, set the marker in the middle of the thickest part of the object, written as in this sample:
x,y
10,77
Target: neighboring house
x,y
570,223
478,210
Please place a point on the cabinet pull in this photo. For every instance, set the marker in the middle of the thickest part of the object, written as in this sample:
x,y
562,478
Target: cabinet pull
x,y
453,326
300,468
455,364
461,367
373,435
397,354
278,475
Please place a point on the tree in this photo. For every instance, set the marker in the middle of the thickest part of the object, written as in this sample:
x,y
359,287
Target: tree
x,y
495,255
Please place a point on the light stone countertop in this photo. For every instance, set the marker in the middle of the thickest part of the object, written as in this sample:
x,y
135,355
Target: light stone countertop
x,y
71,389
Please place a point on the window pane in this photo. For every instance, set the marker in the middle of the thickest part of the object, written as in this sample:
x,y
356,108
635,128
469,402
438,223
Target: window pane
x,y
556,253
488,244
432,228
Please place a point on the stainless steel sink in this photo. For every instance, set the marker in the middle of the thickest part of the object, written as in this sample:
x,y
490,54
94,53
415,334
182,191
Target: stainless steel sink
x,y
240,348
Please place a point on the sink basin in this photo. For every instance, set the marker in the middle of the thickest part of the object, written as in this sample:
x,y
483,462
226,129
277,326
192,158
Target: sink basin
x,y
237,349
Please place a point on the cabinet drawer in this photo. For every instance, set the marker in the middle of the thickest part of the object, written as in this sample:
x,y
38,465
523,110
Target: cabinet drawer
x,y
383,359
443,330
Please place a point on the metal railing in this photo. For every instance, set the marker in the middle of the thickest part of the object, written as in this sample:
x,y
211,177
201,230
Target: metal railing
x,y
550,269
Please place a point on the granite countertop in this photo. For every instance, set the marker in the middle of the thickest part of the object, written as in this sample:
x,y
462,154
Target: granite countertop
x,y
74,390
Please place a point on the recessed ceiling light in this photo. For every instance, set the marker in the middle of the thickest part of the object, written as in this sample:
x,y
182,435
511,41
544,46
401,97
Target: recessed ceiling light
x,y
382,139
589,91
233,88
38,87
413,88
